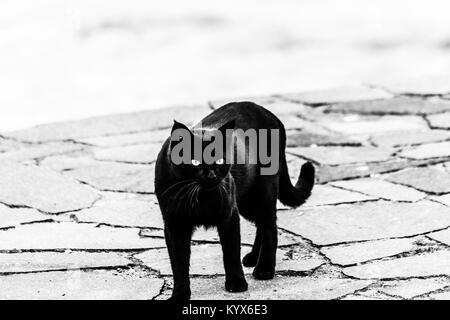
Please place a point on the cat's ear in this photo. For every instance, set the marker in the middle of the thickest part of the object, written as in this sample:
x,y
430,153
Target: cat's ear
x,y
227,126
179,125
180,132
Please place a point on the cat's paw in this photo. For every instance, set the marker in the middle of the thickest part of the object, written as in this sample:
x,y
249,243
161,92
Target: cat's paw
x,y
262,273
180,296
236,285
250,260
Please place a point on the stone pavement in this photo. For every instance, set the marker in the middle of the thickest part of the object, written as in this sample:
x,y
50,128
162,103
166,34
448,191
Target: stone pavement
x,y
78,217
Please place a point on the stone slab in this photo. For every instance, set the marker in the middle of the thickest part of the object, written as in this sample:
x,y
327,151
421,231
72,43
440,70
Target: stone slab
x,y
441,236
138,154
426,179
370,125
111,176
342,155
329,195
349,254
10,217
207,259
364,221
66,235
40,151
398,105
128,284
66,162
440,121
42,189
412,138
281,288
381,189
411,288
336,95
430,85
111,124
444,199
424,265
128,139
52,261
329,173
124,210
428,151
308,138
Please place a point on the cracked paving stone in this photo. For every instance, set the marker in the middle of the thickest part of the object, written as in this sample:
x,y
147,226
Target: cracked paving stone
x,y
419,137
336,95
444,295
444,199
430,180
124,210
139,154
432,85
207,259
349,254
441,236
357,297
66,235
291,122
128,139
52,261
66,162
329,173
342,155
381,189
131,284
398,105
352,125
42,189
112,176
111,124
424,265
411,288
329,195
440,121
10,217
364,221
427,151
41,151
308,138
281,288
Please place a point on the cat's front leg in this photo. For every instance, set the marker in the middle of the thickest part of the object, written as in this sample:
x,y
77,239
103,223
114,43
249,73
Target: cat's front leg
x,y
230,239
178,242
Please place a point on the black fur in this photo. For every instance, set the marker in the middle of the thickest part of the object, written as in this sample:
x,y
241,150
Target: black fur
x,y
188,199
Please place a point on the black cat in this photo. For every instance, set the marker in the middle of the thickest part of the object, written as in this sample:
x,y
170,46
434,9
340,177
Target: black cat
x,y
197,194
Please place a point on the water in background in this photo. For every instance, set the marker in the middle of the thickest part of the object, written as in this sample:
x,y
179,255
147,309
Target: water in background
x,y
65,60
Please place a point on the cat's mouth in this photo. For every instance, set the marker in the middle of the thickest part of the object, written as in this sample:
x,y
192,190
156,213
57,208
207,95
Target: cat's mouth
x,y
209,185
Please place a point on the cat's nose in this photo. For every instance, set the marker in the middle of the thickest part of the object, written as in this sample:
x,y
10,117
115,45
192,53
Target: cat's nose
x,y
211,175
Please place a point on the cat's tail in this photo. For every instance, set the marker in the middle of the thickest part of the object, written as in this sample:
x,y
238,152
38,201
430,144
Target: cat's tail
x,y
295,196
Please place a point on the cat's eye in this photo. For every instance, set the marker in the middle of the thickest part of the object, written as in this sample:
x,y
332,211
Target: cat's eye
x,y
220,161
195,162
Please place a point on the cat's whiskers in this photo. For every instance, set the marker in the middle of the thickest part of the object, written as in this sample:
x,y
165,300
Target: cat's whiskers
x,y
175,185
181,190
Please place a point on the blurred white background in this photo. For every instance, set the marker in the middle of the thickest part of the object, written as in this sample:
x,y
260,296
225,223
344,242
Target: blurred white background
x,y
65,60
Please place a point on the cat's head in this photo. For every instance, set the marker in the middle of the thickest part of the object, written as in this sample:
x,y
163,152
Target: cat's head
x,y
200,154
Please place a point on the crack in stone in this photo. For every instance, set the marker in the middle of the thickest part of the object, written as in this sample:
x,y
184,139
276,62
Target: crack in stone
x,y
121,267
